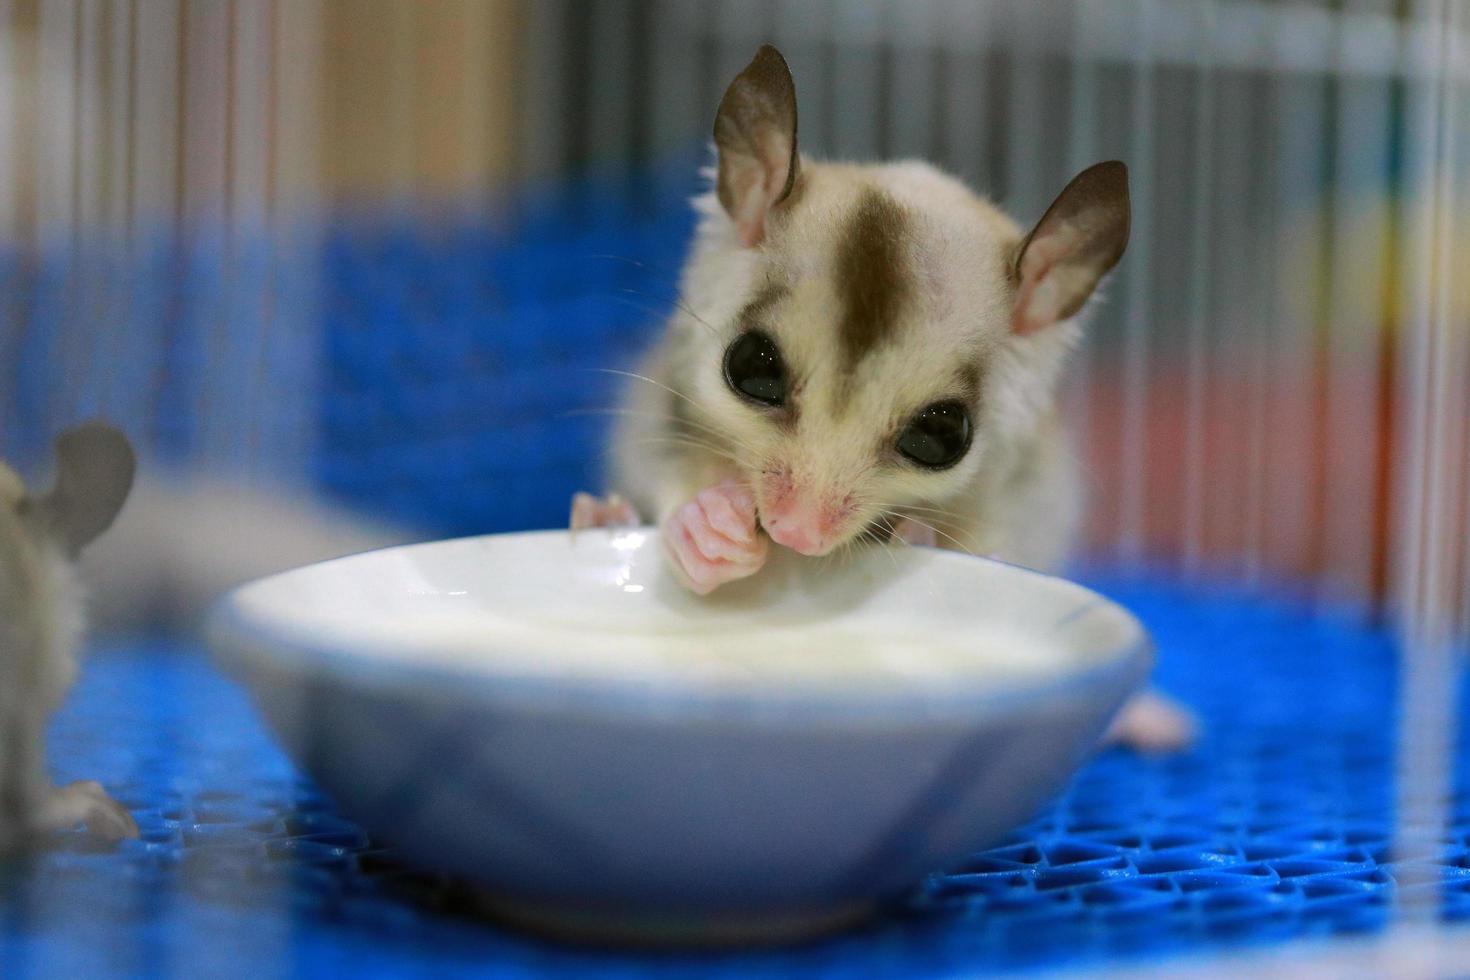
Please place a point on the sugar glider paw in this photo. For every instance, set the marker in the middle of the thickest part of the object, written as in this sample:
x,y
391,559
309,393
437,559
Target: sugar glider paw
x,y
87,803
1153,723
715,538
613,511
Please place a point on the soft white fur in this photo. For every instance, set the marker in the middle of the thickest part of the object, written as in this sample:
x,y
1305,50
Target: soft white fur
x,y
1015,495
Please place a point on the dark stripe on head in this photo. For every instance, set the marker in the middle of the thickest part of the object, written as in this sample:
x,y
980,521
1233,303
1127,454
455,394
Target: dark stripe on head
x,y
871,279
969,382
753,314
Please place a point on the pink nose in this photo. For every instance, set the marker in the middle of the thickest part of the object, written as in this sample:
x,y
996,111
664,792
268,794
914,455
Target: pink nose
x,y
795,532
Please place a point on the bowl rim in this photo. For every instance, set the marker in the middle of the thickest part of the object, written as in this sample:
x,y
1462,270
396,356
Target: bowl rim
x,y
243,646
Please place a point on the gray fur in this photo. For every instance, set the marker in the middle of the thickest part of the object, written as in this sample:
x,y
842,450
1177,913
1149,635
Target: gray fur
x,y
41,621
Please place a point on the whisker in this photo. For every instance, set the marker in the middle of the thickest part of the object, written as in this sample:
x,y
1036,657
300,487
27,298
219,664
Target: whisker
x,y
637,263
694,444
683,441
649,308
664,416
684,306
934,514
938,511
944,534
887,549
669,271
654,310
678,394
641,413
643,377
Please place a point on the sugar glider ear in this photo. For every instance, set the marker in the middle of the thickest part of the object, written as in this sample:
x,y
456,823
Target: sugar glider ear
x,y
1081,236
755,135
94,473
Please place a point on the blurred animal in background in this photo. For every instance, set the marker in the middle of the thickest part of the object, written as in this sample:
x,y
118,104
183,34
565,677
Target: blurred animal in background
x,y
41,626
183,539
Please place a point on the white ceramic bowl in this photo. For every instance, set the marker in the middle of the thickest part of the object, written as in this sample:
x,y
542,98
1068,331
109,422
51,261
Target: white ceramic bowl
x,y
614,758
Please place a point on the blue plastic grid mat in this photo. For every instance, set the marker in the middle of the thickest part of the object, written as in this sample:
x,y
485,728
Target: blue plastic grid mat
x,y
462,360
1275,826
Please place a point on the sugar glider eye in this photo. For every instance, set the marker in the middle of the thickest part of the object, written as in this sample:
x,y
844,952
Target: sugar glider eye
x,y
937,436
754,369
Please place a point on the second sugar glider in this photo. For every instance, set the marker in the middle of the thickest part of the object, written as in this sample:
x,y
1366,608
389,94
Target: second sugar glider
x,y
863,351
41,622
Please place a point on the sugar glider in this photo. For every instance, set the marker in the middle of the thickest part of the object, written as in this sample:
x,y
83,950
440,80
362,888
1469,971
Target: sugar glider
x,y
41,624
863,352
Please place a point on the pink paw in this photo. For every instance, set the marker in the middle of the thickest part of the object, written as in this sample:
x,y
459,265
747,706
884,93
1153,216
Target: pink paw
x,y
589,511
87,803
1152,723
714,538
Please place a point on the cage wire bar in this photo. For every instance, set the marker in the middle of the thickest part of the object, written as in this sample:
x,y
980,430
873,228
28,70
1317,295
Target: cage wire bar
x,y
148,135
1133,442
1433,535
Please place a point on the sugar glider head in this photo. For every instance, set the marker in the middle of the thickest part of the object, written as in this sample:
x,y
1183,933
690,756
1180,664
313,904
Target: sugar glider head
x,y
864,339
95,465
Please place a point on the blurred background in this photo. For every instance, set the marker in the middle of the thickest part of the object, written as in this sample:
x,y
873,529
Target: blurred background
x,y
352,266
363,244
366,245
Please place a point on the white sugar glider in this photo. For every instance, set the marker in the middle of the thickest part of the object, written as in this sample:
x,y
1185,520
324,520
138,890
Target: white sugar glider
x,y
863,352
41,625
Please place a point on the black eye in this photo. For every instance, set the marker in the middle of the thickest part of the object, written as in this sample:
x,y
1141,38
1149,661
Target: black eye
x,y
938,436
754,369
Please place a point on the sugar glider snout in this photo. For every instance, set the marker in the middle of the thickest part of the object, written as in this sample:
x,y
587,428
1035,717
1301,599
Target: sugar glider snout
x,y
807,522
796,531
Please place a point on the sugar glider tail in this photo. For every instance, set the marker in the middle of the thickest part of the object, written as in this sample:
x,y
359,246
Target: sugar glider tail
x,y
188,537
